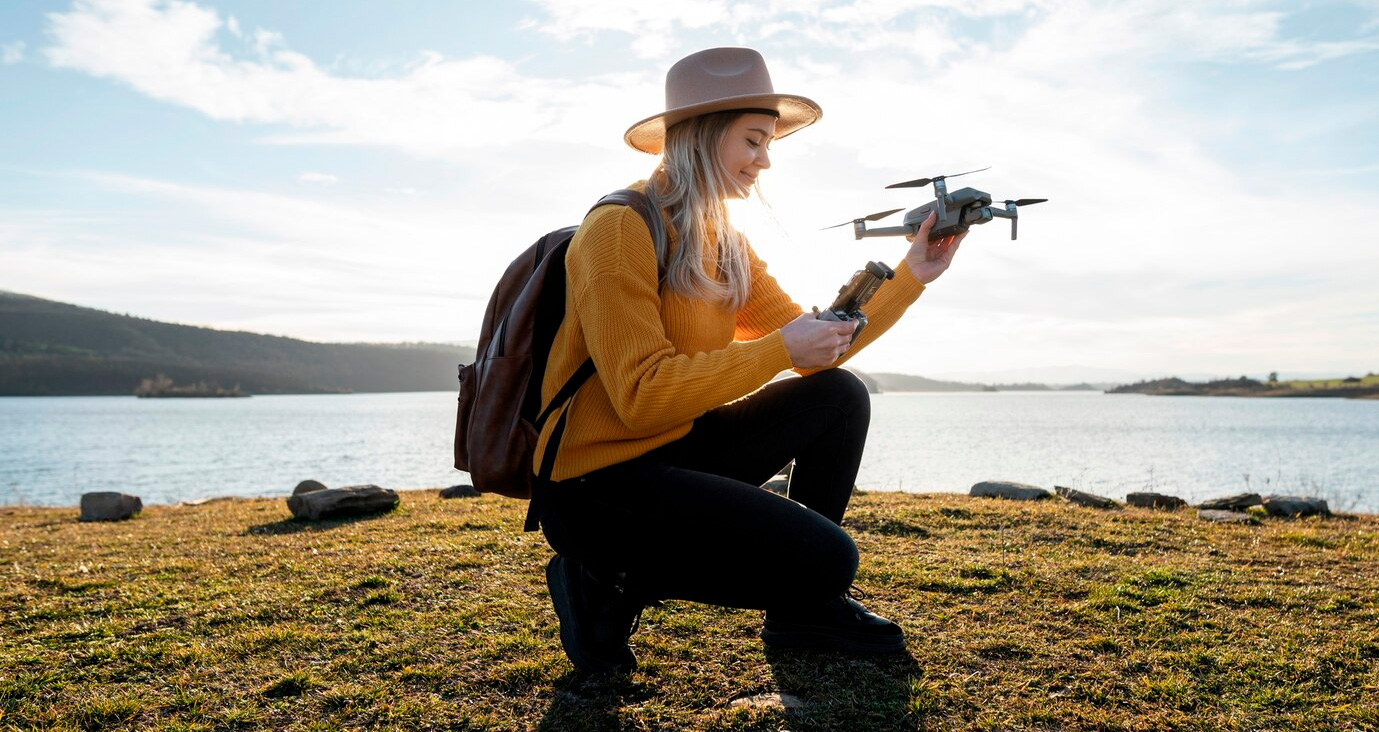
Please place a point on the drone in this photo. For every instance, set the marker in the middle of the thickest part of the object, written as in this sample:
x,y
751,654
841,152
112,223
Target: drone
x,y
956,211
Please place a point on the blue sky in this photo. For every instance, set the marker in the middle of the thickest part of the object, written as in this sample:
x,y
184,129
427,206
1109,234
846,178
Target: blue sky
x,y
351,171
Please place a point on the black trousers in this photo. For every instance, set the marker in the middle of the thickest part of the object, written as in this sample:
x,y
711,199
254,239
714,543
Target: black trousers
x,y
689,520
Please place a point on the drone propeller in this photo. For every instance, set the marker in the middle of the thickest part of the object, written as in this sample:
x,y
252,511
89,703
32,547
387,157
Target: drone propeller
x,y
1025,201
873,217
921,182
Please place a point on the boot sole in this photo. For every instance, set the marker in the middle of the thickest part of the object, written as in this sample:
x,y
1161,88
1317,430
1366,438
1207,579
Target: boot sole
x,y
806,636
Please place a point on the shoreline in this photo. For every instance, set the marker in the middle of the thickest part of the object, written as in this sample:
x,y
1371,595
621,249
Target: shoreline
x,y
859,491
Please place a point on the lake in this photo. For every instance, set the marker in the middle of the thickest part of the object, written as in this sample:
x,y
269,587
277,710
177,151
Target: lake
x,y
53,449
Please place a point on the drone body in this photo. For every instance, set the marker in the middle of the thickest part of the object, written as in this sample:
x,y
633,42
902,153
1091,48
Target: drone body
x,y
955,212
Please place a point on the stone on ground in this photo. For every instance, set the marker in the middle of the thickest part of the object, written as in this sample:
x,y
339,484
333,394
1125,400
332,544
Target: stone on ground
x,y
1147,499
773,700
354,500
1083,498
308,486
1237,502
1296,506
109,506
1009,490
1226,517
460,491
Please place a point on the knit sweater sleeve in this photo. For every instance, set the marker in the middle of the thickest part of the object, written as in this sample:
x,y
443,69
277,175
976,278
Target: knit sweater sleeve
x,y
611,271
768,308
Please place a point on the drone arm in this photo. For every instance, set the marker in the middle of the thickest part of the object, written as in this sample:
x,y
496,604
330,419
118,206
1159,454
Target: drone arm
x,y
1009,212
888,231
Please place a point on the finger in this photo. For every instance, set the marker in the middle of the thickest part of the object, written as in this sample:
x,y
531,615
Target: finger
x,y
927,226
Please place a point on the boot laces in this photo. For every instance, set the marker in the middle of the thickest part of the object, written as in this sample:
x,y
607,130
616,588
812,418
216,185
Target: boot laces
x,y
625,600
851,597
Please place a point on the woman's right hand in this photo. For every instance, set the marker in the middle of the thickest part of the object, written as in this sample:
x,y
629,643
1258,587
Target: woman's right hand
x,y
815,343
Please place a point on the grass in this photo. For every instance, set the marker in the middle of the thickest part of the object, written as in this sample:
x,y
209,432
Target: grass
x,y
1368,380
1040,616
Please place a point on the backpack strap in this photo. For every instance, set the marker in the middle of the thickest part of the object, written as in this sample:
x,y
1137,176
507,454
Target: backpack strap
x,y
643,204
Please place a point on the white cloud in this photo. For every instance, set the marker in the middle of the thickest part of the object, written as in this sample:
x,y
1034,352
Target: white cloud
x,y
1151,246
11,53
325,179
439,108
335,269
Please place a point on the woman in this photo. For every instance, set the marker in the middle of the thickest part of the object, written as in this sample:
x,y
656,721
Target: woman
x,y
655,489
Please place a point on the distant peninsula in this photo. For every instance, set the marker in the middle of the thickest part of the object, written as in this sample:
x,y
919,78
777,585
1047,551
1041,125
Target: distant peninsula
x,y
50,348
1354,387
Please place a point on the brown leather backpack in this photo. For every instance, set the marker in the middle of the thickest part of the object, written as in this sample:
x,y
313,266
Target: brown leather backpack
x,y
500,415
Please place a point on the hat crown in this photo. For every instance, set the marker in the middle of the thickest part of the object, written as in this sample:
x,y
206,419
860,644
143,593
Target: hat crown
x,y
720,80
716,73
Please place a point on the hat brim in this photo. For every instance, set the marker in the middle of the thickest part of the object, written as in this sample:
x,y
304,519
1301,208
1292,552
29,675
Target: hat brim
x,y
795,112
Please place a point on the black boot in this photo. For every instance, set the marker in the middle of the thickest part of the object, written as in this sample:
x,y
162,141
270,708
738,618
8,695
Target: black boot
x,y
597,617
840,624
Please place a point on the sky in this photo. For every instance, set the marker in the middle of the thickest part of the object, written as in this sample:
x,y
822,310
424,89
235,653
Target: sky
x,y
338,170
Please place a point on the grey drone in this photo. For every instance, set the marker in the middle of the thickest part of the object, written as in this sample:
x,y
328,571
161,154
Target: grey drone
x,y
956,211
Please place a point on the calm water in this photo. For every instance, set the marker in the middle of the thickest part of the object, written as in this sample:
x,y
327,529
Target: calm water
x,y
167,450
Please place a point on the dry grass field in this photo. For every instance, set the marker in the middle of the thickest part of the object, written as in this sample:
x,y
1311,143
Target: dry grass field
x,y
230,615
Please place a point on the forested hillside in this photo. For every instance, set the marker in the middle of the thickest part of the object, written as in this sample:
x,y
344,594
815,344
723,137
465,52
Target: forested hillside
x,y
54,348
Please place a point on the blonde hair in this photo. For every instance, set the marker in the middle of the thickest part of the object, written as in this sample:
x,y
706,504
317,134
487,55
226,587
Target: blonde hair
x,y
690,184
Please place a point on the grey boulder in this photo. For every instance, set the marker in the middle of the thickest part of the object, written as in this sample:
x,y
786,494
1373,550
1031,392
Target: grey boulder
x,y
1082,498
460,491
1238,502
354,500
1008,490
1226,517
1296,506
1146,499
109,506
308,486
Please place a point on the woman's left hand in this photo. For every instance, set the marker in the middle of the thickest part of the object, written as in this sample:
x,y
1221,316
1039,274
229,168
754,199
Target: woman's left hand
x,y
929,259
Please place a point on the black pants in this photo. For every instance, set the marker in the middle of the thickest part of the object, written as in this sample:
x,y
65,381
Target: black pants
x,y
689,520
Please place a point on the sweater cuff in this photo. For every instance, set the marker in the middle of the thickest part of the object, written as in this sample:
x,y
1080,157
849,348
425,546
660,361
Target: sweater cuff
x,y
778,356
907,287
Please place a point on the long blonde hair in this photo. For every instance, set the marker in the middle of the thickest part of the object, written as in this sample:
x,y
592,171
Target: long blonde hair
x,y
691,184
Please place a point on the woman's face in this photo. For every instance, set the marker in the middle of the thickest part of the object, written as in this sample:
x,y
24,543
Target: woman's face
x,y
743,151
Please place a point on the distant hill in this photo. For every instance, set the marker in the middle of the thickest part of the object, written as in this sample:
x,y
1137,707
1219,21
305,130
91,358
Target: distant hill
x,y
1354,387
51,348
905,382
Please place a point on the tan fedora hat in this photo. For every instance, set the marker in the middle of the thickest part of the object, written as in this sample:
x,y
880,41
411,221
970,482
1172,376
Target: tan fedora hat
x,y
718,80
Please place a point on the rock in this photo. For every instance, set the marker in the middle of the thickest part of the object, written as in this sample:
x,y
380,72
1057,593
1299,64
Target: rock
x,y
308,486
1083,498
1155,500
1296,506
1238,502
779,487
1226,517
460,491
109,506
354,500
1006,489
773,700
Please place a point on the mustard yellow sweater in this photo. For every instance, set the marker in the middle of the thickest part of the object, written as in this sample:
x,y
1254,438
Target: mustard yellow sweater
x,y
663,359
